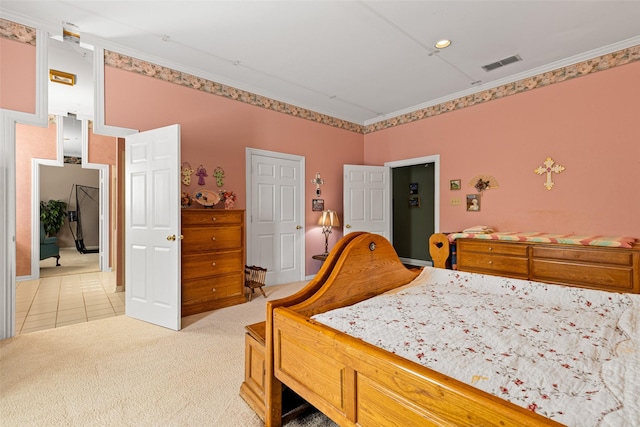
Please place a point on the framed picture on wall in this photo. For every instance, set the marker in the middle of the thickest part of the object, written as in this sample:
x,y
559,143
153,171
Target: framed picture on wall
x,y
473,202
413,188
454,184
414,201
317,204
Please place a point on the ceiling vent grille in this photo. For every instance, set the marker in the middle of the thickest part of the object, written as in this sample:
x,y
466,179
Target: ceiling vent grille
x,y
502,63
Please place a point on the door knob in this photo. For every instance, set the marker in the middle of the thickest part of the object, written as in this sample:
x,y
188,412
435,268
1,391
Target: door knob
x,y
172,237
347,226
298,227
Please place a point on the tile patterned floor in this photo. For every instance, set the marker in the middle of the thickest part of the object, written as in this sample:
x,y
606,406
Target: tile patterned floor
x,y
52,302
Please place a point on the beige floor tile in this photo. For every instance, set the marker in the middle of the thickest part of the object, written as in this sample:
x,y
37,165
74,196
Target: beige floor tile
x,y
75,299
71,316
36,323
41,316
39,309
99,306
99,312
102,316
70,322
28,329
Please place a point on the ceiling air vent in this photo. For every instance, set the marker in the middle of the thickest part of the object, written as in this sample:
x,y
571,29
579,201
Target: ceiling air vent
x,y
502,63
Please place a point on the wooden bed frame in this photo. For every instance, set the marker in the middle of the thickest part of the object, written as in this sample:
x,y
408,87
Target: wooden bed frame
x,y
355,383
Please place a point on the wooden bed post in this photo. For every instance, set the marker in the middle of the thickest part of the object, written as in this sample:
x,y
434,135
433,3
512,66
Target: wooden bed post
x,y
439,249
273,387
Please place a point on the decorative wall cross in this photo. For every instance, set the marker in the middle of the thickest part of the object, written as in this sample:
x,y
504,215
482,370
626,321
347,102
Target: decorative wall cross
x,y
548,168
317,181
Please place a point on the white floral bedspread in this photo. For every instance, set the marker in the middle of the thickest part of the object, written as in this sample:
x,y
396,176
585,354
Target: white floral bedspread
x,y
566,353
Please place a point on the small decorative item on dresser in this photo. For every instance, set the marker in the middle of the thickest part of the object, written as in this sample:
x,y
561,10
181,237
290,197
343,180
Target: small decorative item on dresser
x,y
185,199
229,198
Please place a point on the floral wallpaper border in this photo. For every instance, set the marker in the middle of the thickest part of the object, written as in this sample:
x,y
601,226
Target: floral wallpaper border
x,y
590,66
604,62
25,34
17,32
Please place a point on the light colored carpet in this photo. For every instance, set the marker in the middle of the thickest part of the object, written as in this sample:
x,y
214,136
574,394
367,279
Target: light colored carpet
x,y
125,372
71,262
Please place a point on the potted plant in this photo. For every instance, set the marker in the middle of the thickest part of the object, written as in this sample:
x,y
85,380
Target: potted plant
x,y
52,214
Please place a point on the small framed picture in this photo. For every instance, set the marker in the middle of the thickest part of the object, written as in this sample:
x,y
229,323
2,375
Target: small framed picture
x,y
454,184
62,77
473,202
414,201
317,204
413,188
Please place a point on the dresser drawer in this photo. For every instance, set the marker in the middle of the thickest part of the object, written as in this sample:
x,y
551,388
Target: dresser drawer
x,y
607,277
491,247
584,254
211,288
205,239
496,264
211,217
211,264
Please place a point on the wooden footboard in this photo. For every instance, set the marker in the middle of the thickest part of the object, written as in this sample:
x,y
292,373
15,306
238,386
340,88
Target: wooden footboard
x,y
355,383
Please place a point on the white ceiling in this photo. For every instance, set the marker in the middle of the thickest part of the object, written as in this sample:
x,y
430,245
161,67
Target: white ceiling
x,y
361,61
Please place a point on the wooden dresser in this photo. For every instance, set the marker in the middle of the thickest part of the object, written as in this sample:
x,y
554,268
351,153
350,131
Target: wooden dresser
x,y
213,258
611,269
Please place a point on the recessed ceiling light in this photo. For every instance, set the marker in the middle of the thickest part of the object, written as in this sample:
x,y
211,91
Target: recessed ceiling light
x,y
441,44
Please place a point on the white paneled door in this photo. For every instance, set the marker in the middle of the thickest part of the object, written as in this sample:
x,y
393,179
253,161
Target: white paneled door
x,y
366,199
152,226
276,229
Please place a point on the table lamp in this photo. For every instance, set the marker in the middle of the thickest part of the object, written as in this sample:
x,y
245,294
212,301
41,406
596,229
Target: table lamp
x,y
327,220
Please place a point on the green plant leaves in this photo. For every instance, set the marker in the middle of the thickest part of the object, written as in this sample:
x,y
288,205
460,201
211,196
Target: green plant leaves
x,y
52,215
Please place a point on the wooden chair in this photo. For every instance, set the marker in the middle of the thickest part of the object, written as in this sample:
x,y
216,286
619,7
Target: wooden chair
x,y
254,278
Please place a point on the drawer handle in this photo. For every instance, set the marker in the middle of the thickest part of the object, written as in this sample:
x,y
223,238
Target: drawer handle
x,y
490,248
213,238
490,262
213,264
213,289
213,219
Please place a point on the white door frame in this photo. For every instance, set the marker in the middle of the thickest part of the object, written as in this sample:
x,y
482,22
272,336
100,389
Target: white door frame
x,y
249,152
8,120
435,159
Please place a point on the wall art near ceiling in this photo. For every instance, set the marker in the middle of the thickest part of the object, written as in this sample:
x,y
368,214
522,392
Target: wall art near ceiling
x,y
454,184
62,77
413,188
414,201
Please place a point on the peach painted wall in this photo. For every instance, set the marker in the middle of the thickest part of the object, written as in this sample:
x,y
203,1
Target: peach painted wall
x,y
589,125
31,142
17,76
102,149
215,131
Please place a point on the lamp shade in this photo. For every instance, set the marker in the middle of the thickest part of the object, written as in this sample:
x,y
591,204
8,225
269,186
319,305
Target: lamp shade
x,y
329,219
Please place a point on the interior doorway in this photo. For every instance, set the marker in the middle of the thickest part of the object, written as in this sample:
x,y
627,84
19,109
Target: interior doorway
x,y
61,183
413,212
431,190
